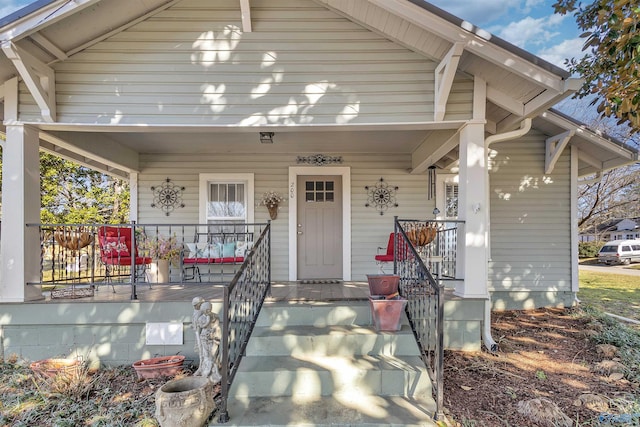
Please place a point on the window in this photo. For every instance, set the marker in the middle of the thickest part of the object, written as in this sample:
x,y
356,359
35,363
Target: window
x,y
226,201
319,191
451,200
226,198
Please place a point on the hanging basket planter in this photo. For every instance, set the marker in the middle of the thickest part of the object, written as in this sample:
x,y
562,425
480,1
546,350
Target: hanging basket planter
x,y
157,367
273,211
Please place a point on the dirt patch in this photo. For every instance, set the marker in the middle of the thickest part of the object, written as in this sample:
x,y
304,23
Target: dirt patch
x,y
546,362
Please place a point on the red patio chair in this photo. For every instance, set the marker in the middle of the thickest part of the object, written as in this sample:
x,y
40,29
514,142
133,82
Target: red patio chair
x,y
384,258
116,252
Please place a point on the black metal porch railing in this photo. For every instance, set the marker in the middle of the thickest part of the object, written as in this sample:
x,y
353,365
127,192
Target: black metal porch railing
x,y
418,250
75,259
243,299
78,246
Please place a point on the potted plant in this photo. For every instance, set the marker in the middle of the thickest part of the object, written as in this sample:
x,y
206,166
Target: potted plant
x,y
163,250
271,199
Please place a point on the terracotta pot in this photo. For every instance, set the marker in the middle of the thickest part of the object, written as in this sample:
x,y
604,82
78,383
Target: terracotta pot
x,y
185,402
48,368
387,312
383,284
157,367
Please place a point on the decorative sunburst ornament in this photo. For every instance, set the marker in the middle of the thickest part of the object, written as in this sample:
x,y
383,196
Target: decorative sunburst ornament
x,y
381,196
167,197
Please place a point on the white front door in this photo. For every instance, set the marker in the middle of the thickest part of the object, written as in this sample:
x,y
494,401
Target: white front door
x,y
319,228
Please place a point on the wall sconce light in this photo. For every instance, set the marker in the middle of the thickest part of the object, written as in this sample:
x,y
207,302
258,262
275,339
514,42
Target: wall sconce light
x,y
436,212
266,137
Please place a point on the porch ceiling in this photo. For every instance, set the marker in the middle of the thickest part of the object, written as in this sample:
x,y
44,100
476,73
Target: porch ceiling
x,y
189,141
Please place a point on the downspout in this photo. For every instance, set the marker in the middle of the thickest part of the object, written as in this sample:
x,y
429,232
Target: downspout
x,y
525,127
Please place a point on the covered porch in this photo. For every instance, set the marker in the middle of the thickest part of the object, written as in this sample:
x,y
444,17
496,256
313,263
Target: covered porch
x,y
110,326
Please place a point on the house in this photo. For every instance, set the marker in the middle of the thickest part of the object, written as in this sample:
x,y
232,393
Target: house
x,y
380,108
616,229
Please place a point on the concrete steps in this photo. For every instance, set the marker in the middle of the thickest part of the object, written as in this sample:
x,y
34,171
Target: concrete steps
x,y
323,363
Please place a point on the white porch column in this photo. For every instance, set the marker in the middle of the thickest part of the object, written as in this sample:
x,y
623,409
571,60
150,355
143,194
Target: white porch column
x,y
20,245
133,196
472,209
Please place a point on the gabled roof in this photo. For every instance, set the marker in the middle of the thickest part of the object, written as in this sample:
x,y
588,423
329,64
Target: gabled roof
x,y
518,84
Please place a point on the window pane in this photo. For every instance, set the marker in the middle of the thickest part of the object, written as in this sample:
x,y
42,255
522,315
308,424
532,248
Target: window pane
x,y
309,186
226,201
329,196
329,185
451,200
309,196
320,186
320,197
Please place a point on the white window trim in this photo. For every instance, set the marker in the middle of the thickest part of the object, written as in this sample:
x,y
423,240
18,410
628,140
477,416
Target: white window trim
x,y
226,178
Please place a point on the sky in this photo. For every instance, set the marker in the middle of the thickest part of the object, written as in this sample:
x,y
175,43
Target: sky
x,y
528,24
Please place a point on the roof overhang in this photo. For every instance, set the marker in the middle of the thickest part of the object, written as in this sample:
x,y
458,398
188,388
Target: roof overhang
x,y
596,152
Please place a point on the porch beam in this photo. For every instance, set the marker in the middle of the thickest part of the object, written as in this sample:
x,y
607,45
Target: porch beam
x,y
49,46
597,177
433,148
444,75
245,11
491,127
48,147
505,101
548,98
96,147
554,146
38,76
539,104
590,160
448,162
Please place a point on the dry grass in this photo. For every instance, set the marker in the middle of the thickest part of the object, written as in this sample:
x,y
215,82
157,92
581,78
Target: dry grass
x,y
106,397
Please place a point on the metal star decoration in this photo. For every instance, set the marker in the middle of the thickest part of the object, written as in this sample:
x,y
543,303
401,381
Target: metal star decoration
x,y
381,196
167,197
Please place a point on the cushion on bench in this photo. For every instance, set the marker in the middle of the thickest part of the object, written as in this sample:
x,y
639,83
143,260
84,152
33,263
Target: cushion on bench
x,y
219,260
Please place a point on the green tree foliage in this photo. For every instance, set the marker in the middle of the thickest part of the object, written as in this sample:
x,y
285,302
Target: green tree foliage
x,y
74,194
611,63
589,249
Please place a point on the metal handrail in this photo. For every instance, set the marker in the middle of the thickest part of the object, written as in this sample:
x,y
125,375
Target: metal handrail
x,y
425,303
243,300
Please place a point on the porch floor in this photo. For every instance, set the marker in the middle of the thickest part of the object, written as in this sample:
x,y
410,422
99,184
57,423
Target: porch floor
x,y
280,291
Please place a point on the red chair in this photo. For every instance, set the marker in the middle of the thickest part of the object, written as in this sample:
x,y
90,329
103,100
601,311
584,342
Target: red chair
x,y
382,259
116,252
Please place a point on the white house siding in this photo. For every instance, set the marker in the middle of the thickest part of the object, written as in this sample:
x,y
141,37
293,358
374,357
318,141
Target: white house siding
x,y
369,229
302,64
530,261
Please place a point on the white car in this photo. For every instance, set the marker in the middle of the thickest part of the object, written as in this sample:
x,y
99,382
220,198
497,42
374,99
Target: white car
x,y
620,252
